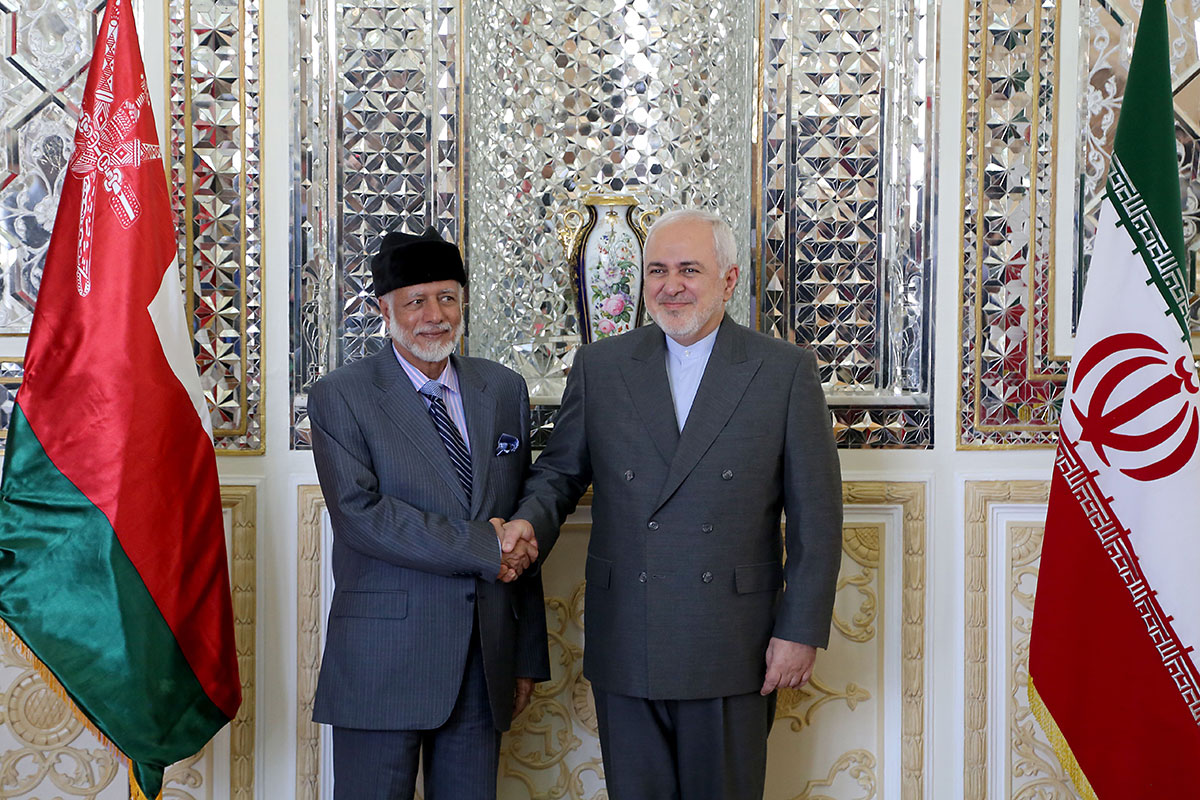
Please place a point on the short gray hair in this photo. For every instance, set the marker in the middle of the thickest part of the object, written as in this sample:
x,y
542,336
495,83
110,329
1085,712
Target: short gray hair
x,y
724,245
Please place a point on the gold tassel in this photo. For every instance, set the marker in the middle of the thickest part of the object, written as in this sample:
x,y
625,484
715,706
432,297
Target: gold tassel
x,y
18,644
1059,743
135,791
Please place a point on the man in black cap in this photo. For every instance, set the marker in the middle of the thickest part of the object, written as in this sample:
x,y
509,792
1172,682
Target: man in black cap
x,y
433,642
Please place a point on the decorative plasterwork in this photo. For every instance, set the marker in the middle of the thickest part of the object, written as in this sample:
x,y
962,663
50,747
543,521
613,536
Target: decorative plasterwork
x,y
1034,772
45,750
241,502
311,505
1003,543
553,750
910,498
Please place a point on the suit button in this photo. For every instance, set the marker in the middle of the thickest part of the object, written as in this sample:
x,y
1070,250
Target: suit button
x,y
727,475
628,474
706,577
652,525
642,577
706,527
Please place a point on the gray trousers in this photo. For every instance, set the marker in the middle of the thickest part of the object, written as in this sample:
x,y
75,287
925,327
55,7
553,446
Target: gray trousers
x,y
713,749
460,758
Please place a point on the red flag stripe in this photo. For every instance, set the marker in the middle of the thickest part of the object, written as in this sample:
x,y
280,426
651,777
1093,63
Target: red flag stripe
x,y
100,394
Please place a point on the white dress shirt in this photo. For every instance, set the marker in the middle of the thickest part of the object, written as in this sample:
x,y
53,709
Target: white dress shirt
x,y
685,368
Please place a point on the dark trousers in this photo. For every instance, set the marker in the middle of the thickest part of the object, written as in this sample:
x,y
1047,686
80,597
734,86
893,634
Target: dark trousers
x,y
713,749
460,758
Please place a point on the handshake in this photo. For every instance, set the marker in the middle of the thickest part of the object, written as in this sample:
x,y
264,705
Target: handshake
x,y
518,547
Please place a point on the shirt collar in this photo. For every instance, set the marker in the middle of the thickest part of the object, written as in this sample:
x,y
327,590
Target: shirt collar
x,y
448,379
699,350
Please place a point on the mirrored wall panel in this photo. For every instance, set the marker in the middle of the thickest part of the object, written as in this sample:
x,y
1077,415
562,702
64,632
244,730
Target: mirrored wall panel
x,y
846,206
808,126
1044,84
212,160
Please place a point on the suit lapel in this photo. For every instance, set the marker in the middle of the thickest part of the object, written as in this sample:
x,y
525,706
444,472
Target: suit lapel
x,y
645,375
726,377
480,408
401,403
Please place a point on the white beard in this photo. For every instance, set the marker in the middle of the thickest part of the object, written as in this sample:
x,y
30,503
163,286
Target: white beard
x,y
432,353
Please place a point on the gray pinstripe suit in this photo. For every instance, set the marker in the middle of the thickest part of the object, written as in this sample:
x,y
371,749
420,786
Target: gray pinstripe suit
x,y
413,564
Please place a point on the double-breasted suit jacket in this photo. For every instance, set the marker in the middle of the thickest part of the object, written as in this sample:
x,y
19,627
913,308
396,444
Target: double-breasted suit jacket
x,y
686,578
412,558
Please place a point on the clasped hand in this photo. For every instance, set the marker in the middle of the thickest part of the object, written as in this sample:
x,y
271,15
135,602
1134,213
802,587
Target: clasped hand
x,y
518,547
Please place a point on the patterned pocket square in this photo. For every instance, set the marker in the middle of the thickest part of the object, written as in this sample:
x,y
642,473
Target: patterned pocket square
x,y
507,444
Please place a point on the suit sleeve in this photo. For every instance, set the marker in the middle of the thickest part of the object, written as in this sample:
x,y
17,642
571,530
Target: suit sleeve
x,y
379,525
563,471
532,648
813,505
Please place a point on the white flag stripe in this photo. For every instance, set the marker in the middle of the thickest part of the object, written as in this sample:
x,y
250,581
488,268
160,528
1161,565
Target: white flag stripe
x,y
166,310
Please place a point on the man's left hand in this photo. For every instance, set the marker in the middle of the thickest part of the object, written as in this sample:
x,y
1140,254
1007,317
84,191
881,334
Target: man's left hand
x,y
521,696
789,665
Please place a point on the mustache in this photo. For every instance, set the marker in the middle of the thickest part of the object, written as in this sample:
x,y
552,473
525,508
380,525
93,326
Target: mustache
x,y
437,327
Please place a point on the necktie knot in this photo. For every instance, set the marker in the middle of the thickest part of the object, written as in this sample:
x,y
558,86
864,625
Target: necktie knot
x,y
433,390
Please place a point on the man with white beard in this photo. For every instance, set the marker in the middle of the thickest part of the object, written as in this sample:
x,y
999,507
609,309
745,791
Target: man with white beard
x,y
694,434
435,638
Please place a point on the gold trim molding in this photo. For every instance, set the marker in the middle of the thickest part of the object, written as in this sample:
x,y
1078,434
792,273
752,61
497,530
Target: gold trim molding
x,y
910,497
242,503
308,640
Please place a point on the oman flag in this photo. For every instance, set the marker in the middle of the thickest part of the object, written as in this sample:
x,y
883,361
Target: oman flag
x,y
112,550
1112,661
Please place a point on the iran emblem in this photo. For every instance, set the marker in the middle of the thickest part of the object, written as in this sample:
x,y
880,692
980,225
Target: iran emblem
x,y
1135,406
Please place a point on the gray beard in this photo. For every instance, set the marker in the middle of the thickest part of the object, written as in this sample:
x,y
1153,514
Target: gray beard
x,y
427,352
689,324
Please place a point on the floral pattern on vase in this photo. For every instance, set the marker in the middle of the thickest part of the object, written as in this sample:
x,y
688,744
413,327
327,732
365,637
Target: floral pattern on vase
x,y
605,253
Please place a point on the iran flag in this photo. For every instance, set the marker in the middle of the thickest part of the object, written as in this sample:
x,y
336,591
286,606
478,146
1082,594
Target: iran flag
x,y
112,550
1112,662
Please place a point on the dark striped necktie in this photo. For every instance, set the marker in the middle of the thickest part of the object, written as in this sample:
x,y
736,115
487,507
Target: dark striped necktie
x,y
459,456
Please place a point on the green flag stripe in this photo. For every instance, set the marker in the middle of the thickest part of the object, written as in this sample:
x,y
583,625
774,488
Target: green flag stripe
x,y
1145,138
1162,268
70,592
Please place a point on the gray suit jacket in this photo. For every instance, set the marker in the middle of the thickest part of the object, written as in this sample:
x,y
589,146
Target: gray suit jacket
x,y
685,572
411,560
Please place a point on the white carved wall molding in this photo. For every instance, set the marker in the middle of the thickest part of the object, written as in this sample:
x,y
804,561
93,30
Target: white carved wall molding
x,y
1005,753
